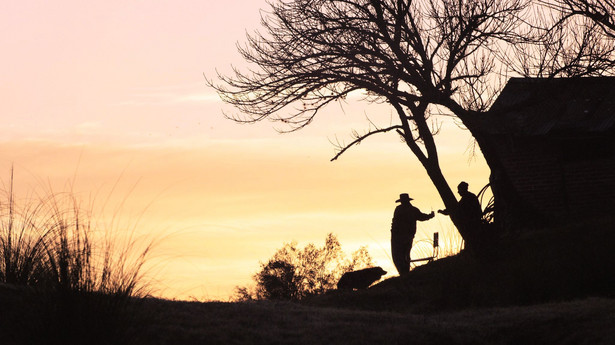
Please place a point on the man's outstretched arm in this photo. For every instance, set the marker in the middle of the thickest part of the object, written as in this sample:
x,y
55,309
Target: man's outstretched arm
x,y
422,216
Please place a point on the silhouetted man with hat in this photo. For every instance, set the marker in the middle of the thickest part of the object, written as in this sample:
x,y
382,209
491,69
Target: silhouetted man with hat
x,y
403,230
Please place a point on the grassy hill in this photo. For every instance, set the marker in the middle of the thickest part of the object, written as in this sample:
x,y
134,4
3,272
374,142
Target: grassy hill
x,y
588,321
541,266
549,286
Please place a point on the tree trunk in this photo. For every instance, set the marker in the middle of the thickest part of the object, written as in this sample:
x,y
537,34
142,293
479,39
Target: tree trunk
x,y
450,201
431,164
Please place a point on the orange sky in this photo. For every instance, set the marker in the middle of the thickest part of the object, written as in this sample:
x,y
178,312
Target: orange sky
x,y
114,92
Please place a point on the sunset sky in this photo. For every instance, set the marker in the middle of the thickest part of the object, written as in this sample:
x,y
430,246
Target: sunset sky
x,y
104,94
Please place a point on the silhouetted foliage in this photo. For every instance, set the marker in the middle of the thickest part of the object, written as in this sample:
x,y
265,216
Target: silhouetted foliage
x,y
60,282
276,280
294,273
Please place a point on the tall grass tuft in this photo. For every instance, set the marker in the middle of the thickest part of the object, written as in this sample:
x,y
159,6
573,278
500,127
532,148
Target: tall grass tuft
x,y
450,243
61,277
22,242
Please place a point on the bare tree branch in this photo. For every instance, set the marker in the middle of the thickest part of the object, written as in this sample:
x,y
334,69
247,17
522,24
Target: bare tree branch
x,y
360,138
602,12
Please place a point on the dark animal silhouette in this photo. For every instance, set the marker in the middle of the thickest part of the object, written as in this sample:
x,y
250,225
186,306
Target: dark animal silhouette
x,y
360,279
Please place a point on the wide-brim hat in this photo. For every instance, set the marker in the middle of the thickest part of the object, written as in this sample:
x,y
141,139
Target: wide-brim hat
x,y
404,197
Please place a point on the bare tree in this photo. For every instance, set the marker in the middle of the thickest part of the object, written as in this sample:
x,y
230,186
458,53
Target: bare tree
x,y
412,55
601,12
416,56
565,38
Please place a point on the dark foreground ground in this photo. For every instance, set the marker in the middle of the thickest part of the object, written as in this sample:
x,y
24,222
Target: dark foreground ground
x,y
588,321
555,286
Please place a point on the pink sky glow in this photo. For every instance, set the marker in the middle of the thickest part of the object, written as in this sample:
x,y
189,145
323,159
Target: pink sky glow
x,y
95,94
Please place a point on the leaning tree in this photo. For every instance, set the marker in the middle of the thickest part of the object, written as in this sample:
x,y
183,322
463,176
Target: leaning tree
x,y
416,56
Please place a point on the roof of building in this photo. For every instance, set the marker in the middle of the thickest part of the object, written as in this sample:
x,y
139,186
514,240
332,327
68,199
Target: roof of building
x,y
537,106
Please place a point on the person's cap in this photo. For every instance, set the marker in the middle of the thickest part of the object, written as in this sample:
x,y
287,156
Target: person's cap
x,y
403,197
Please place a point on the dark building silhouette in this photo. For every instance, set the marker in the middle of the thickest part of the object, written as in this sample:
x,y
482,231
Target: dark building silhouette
x,y
555,143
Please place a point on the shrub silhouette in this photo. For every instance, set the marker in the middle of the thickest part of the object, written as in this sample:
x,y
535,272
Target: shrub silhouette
x,y
61,277
277,281
294,273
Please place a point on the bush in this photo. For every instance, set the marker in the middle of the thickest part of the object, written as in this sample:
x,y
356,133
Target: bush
x,y
294,273
60,277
